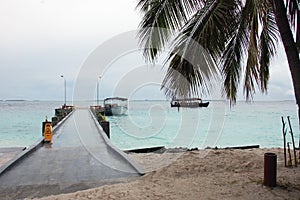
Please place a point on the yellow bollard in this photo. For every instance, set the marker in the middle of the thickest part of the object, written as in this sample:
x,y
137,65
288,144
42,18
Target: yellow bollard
x,y
47,131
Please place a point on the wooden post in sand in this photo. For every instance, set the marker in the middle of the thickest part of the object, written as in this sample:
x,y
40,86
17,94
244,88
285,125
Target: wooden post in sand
x,y
270,169
284,140
293,142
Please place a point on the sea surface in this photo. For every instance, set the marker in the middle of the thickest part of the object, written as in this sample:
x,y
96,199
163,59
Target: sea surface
x,y
155,123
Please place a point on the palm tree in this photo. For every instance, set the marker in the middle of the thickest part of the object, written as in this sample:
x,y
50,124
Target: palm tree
x,y
240,36
291,47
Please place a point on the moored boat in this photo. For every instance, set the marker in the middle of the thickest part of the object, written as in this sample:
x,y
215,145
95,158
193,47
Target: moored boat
x,y
189,103
115,106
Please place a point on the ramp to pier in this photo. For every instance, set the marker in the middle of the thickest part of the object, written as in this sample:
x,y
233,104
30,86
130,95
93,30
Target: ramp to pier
x,y
79,158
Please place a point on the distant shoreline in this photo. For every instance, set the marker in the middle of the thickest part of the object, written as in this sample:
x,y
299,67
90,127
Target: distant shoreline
x,y
14,100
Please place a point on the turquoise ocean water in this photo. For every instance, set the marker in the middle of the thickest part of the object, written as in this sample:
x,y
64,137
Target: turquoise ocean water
x,y
154,123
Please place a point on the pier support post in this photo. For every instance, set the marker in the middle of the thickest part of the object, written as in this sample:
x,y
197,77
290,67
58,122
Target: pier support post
x,y
105,126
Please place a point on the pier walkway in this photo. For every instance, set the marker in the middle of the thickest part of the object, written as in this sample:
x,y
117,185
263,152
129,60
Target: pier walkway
x,y
79,158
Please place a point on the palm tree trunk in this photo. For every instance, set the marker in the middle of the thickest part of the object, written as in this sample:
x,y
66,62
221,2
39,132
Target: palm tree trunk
x,y
289,46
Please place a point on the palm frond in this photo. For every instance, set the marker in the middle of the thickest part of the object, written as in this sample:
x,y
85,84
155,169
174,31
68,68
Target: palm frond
x,y
257,46
214,19
252,67
193,48
238,36
161,18
190,76
267,45
236,50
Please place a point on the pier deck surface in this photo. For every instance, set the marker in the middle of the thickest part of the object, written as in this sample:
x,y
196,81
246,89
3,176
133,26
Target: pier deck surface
x,y
79,158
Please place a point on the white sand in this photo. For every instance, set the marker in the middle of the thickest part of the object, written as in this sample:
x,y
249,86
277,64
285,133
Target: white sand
x,y
209,174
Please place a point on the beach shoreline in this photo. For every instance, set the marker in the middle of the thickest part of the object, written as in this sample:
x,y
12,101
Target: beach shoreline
x,y
201,174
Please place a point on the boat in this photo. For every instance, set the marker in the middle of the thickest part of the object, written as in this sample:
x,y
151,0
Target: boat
x,y
189,103
115,106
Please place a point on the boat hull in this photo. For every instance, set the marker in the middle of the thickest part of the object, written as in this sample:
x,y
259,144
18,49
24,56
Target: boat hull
x,y
191,105
119,110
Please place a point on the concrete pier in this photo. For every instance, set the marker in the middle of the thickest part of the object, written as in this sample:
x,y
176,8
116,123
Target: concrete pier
x,y
79,158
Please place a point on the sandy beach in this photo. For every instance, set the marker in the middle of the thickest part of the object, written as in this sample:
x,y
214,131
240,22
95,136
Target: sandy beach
x,y
204,174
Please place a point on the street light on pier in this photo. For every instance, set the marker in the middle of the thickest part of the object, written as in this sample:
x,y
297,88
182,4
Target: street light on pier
x,y
98,90
65,84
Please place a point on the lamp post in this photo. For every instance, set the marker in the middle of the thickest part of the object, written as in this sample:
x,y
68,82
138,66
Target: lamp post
x,y
65,84
98,90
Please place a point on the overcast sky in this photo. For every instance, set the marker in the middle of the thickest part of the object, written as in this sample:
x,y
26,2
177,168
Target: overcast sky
x,y
43,39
